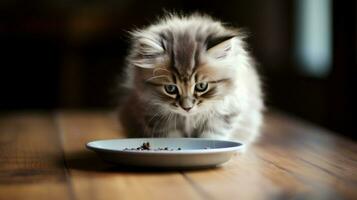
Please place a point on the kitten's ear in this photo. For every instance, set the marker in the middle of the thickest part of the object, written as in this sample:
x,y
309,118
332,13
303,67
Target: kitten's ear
x,y
220,47
148,51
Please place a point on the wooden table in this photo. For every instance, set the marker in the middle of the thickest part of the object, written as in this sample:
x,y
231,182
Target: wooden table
x,y
43,156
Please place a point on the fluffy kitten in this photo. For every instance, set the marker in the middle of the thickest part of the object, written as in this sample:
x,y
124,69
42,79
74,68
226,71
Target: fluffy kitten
x,y
190,76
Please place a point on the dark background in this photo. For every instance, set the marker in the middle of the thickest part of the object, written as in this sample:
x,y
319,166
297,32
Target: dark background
x,y
68,54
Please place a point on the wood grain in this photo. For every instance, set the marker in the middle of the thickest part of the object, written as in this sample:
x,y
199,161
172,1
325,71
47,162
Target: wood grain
x,y
31,160
43,155
292,160
93,179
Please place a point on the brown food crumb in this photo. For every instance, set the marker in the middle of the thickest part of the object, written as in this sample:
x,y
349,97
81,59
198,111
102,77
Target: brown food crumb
x,y
146,146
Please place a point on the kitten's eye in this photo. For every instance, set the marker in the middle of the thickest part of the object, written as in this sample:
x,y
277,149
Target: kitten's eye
x,y
171,89
201,87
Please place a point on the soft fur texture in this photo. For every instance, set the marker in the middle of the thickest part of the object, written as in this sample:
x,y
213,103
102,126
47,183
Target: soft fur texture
x,y
184,51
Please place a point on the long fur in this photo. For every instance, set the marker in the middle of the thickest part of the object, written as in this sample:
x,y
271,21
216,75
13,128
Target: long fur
x,y
179,50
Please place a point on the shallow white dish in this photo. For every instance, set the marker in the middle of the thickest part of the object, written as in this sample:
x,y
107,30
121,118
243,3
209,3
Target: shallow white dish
x,y
193,153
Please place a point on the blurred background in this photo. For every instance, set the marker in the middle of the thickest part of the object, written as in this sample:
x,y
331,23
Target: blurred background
x,y
68,54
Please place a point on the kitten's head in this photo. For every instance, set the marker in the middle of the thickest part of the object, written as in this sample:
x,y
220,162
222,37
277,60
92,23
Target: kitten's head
x,y
186,64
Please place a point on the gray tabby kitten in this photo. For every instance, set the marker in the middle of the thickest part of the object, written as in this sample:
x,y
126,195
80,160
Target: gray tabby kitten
x,y
190,76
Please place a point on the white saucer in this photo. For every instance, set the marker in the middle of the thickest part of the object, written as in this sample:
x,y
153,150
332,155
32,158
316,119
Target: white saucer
x,y
181,153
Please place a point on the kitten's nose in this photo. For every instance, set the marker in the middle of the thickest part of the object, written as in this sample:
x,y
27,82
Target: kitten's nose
x,y
187,103
187,108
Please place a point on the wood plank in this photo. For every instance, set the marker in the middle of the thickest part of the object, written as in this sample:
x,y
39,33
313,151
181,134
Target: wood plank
x,y
93,179
318,158
31,159
291,160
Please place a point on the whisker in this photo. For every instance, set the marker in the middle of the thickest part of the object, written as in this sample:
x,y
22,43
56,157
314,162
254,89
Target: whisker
x,y
175,122
159,69
156,114
160,76
168,119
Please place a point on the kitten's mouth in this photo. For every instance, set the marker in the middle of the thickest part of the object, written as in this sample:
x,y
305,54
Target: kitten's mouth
x,y
179,109
186,111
